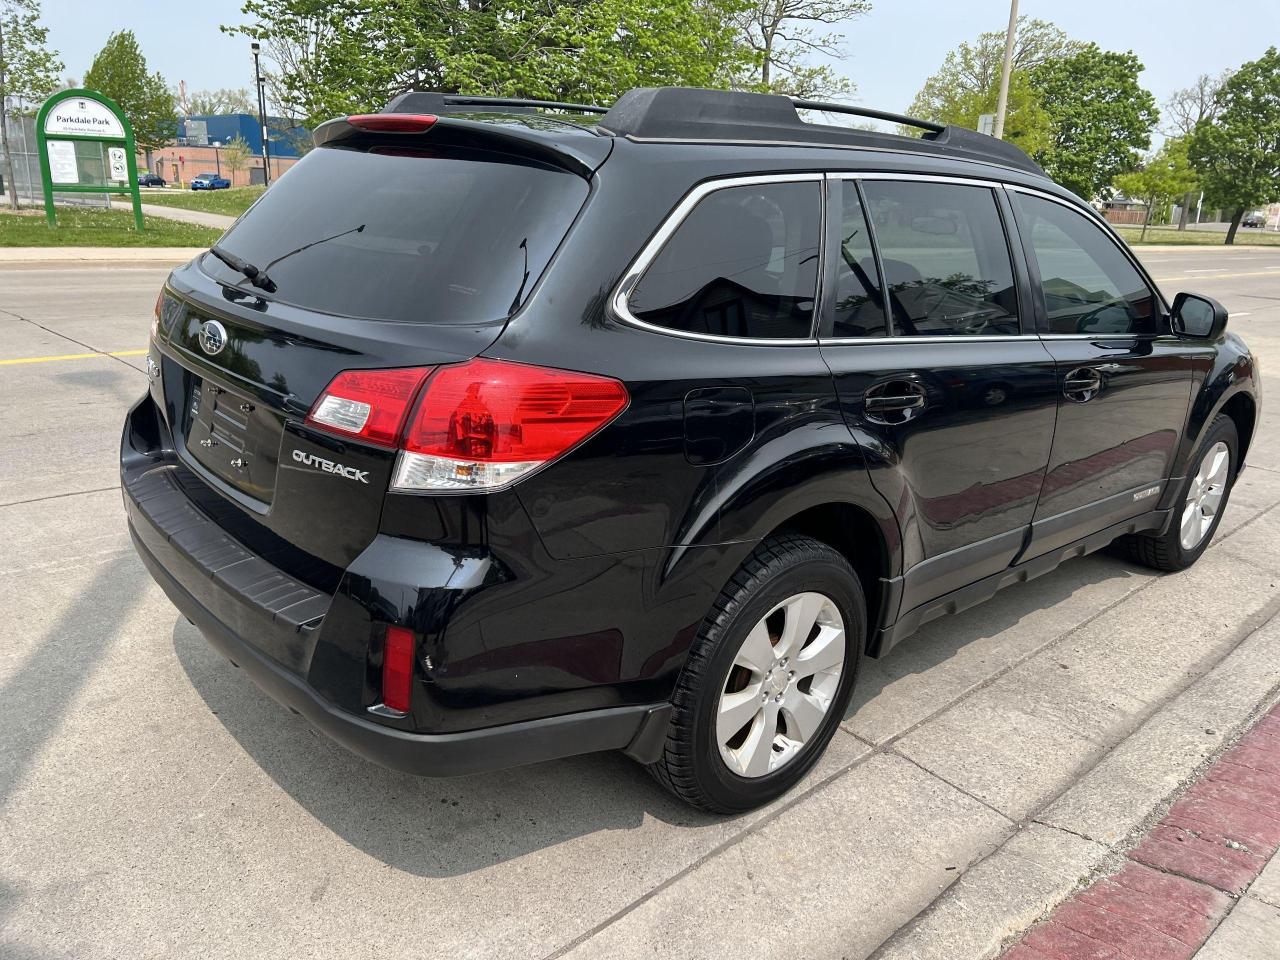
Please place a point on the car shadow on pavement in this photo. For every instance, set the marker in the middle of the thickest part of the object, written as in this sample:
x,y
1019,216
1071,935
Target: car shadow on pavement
x,y
426,826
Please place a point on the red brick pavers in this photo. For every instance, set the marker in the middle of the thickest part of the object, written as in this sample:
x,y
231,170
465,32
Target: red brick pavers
x,y
1181,878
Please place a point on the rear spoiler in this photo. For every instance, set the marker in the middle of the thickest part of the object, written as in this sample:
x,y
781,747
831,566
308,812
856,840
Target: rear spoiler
x,y
575,149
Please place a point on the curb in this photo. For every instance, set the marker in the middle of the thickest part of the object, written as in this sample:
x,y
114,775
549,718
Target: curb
x,y
84,255
1180,880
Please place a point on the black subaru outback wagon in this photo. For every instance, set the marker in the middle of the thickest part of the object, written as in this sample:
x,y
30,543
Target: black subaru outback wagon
x,y
491,435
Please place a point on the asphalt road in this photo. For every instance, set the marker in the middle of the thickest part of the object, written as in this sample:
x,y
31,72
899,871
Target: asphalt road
x,y
153,803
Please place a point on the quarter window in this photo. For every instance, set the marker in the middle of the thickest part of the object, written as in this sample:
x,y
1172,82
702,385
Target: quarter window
x,y
1088,284
744,263
946,261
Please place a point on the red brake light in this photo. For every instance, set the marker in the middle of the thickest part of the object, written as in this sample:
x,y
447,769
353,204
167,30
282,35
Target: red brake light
x,y
393,122
368,405
397,668
485,423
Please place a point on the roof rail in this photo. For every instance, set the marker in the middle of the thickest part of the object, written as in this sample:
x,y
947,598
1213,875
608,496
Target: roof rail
x,y
428,102
693,115
866,112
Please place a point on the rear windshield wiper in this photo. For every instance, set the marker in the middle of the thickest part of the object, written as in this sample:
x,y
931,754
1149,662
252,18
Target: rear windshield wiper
x,y
238,264
258,275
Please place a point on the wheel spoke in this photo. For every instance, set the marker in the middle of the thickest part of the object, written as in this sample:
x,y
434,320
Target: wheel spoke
x,y
826,651
757,653
802,614
803,714
756,751
1218,468
736,709
1190,524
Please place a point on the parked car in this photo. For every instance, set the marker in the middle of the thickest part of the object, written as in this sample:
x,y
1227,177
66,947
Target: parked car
x,y
150,180
210,181
541,438
1253,220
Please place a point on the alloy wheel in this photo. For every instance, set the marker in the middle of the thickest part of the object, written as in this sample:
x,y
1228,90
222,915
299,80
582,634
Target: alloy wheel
x,y
783,681
1204,498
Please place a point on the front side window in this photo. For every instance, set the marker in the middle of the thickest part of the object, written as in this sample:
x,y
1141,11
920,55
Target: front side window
x,y
743,263
1088,284
946,261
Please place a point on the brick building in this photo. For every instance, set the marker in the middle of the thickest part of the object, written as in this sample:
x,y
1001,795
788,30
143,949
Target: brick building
x,y
199,146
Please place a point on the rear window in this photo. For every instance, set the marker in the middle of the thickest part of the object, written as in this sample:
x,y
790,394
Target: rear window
x,y
439,236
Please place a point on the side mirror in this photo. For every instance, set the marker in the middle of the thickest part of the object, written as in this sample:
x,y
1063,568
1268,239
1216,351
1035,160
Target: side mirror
x,y
1197,317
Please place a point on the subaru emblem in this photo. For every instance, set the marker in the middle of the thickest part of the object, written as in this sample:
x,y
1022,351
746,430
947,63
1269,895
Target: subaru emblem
x,y
213,337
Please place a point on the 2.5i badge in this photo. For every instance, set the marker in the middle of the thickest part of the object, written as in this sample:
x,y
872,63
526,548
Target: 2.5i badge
x,y
1149,492
328,466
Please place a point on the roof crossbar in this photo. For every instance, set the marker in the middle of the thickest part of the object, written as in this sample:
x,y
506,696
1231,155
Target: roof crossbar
x,y
867,112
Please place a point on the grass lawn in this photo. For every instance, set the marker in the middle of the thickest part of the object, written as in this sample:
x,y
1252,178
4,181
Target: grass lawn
x,y
98,228
1200,237
231,202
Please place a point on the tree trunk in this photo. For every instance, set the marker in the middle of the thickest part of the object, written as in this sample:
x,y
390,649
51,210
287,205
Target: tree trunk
x,y
1235,225
1151,202
9,181
1185,209
766,63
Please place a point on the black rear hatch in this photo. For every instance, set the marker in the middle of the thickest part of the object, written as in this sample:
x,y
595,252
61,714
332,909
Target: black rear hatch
x,y
372,252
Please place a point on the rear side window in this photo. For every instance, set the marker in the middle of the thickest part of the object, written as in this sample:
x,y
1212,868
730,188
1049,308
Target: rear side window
x,y
946,261
1089,285
743,263
439,236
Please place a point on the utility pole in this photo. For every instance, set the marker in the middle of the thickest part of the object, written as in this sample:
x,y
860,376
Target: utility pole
x,y
262,117
1003,102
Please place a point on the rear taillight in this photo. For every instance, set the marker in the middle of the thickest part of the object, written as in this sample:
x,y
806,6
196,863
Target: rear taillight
x,y
393,122
155,323
477,425
368,405
397,669
486,423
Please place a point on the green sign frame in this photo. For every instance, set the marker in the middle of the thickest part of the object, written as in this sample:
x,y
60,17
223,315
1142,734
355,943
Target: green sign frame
x,y
42,141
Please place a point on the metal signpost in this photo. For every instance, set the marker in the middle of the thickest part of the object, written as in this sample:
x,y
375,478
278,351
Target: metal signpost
x,y
70,118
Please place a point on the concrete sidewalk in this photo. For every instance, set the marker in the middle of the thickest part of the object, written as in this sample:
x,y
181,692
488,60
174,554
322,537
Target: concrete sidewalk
x,y
217,221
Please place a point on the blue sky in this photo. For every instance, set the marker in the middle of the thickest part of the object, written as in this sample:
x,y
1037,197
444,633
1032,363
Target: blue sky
x,y
889,52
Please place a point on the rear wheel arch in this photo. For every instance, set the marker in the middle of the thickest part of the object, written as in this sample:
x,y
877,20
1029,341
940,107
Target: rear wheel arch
x,y
856,534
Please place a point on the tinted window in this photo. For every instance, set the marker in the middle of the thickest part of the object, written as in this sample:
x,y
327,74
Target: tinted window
x,y
945,258
1089,285
744,263
859,308
438,237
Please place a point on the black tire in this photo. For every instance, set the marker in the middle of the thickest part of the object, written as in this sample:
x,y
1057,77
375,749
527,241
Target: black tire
x,y
1165,551
691,766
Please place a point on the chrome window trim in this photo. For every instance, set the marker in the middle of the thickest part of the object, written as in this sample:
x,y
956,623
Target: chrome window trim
x,y
1087,211
898,338
650,251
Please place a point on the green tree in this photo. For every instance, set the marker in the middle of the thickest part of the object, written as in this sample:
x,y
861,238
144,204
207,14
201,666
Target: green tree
x,y
120,71
781,35
204,103
348,56
971,72
1164,176
1027,123
235,155
1237,153
1102,117
28,70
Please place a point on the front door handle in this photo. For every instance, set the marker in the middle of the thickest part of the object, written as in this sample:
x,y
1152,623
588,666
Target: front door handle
x,y
894,402
1082,384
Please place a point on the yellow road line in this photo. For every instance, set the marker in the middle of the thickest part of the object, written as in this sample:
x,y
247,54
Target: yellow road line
x,y
71,356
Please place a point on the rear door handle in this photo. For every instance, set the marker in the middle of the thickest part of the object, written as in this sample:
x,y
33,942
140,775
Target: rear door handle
x,y
1082,384
894,402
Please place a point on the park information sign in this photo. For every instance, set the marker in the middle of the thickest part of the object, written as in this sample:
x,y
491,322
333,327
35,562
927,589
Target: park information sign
x,y
86,146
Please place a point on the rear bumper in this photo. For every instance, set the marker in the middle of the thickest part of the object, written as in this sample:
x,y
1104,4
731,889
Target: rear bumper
x,y
638,731
268,623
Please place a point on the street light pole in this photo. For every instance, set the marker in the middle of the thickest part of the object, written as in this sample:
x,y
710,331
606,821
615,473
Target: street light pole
x,y
1003,101
262,117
